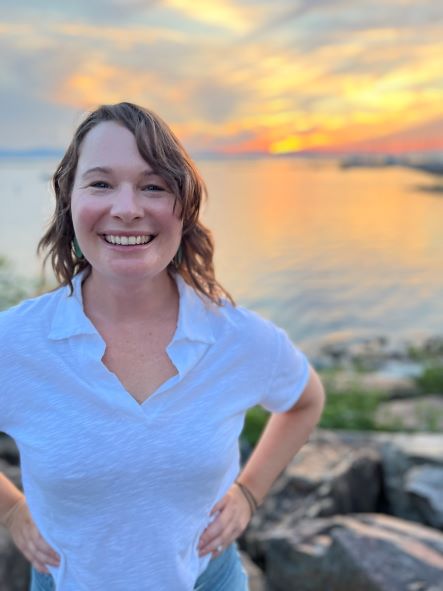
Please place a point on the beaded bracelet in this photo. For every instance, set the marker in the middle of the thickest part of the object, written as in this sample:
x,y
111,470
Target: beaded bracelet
x,y
249,497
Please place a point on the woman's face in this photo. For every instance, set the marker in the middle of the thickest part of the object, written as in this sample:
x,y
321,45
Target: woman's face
x,y
121,211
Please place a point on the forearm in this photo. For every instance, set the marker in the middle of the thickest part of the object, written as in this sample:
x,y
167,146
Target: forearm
x,y
282,437
9,497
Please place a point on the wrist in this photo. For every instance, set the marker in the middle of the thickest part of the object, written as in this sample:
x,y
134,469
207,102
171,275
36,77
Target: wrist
x,y
8,517
249,496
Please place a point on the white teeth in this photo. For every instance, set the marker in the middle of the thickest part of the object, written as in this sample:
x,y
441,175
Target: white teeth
x,y
127,240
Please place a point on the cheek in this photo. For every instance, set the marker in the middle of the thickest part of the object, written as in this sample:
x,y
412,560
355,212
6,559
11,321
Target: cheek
x,y
171,220
84,216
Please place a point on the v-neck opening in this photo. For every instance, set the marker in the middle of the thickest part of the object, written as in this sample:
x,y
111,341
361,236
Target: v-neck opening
x,y
165,385
188,344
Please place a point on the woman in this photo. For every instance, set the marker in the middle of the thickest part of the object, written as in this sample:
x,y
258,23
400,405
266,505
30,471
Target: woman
x,y
126,388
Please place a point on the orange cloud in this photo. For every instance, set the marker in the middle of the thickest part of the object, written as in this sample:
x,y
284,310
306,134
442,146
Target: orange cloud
x,y
222,14
98,82
234,84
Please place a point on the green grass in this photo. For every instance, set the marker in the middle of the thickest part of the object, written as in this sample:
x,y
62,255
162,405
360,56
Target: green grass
x,y
353,410
255,421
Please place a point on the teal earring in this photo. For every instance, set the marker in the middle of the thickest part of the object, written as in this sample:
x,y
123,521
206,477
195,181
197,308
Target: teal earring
x,y
77,249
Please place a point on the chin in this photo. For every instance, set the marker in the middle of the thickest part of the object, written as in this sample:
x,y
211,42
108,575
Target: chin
x,y
131,272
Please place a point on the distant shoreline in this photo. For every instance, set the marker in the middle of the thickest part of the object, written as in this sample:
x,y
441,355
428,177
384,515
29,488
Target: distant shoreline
x,y
431,167
431,162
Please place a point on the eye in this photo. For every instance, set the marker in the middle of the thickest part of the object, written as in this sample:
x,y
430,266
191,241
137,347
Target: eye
x,y
100,185
153,187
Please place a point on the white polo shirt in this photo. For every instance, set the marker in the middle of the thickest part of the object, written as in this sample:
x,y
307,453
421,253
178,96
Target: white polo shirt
x,y
122,491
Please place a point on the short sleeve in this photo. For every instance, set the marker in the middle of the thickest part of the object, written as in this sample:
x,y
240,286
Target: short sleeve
x,y
289,376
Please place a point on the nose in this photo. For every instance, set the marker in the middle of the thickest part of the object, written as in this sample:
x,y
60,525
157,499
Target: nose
x,y
126,204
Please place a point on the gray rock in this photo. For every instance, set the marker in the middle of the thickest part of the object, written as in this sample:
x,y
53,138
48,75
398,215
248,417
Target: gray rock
x,y
424,484
366,353
8,450
400,453
14,568
391,386
327,477
340,473
422,414
255,574
419,447
355,553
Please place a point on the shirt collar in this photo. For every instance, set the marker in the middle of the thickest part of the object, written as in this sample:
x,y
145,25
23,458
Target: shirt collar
x,y
194,316
69,319
195,321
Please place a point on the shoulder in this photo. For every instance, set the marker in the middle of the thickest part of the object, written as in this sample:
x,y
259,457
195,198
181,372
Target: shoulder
x,y
29,317
249,327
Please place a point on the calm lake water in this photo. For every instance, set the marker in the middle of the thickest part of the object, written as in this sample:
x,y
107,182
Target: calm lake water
x,y
330,255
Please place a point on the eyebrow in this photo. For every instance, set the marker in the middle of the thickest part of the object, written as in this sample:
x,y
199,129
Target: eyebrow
x,y
105,170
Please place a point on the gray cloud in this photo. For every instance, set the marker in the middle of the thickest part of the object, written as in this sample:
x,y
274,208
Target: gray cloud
x,y
92,11
309,24
36,70
215,102
29,122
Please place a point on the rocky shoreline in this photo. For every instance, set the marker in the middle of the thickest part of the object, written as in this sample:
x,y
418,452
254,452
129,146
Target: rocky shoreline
x,y
353,512
402,384
382,354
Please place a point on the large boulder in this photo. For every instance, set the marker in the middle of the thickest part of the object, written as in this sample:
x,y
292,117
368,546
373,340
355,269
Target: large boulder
x,y
424,484
365,552
401,453
347,473
327,477
256,576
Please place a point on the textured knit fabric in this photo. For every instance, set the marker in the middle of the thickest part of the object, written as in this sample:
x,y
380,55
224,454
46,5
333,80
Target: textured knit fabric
x,y
223,573
122,491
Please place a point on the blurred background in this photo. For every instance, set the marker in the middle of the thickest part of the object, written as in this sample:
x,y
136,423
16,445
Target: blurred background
x,y
317,125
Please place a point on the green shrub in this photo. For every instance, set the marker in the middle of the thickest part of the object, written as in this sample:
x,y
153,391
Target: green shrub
x,y
351,410
431,379
255,421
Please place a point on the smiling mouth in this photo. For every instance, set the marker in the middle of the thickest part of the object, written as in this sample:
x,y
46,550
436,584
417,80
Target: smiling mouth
x,y
129,240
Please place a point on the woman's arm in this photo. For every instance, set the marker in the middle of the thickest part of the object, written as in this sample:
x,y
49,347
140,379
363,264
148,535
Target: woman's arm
x,y
15,516
284,434
10,495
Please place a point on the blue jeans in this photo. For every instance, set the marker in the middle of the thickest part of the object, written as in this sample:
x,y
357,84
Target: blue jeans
x,y
224,573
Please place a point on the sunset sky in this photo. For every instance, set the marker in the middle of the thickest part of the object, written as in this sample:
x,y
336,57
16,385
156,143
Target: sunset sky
x,y
230,76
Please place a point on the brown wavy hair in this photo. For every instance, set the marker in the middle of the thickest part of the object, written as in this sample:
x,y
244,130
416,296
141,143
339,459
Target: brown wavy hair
x,y
162,150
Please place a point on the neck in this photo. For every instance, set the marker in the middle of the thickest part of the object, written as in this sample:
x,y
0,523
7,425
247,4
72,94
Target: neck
x,y
128,302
